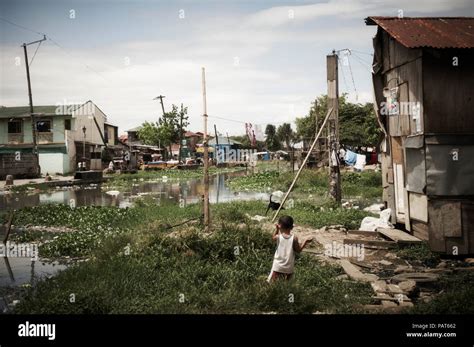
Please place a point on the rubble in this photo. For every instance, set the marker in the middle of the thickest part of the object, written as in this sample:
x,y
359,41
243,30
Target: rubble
x,y
408,287
385,262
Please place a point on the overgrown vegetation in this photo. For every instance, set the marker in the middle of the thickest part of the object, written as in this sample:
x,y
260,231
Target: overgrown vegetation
x,y
193,273
120,180
94,223
367,184
456,296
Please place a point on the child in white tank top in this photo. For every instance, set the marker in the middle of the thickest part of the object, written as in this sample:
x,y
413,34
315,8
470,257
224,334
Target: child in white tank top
x,y
287,244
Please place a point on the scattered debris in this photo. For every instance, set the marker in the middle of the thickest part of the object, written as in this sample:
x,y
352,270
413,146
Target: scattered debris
x,y
442,265
379,286
355,274
372,243
408,287
258,218
385,262
374,208
418,277
372,223
398,236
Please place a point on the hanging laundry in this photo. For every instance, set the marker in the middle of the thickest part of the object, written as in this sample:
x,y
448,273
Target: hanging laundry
x,y
350,158
360,162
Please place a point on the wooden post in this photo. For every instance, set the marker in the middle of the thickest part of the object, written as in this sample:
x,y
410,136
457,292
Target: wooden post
x,y
206,156
216,148
8,226
180,133
303,164
333,150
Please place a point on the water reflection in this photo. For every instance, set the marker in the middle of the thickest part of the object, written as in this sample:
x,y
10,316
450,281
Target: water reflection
x,y
18,271
188,191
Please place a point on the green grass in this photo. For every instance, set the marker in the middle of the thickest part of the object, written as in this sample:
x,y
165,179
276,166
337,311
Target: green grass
x,y
94,223
367,184
120,180
419,253
457,296
194,273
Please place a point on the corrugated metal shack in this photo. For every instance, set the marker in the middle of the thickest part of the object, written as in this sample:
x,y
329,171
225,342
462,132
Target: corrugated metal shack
x,y
423,77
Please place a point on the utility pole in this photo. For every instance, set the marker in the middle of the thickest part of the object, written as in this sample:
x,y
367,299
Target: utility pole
x,y
163,109
180,133
217,145
206,156
33,123
333,124
161,100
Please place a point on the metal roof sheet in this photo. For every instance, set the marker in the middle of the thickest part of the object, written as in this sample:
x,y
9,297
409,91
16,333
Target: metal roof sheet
x,y
435,32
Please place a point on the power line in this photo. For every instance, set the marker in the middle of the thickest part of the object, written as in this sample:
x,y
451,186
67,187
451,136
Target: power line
x,y
363,59
72,56
54,42
364,64
343,75
242,122
354,50
22,27
352,77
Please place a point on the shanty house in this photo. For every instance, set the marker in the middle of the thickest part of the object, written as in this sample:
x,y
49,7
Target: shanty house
x,y
423,75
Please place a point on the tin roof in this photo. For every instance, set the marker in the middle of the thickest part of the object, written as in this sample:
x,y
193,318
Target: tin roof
x,y
435,32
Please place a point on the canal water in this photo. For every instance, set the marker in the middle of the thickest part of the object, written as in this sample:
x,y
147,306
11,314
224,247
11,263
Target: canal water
x,y
188,190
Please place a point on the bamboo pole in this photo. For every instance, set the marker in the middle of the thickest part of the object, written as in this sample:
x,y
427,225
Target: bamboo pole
x,y
206,156
303,164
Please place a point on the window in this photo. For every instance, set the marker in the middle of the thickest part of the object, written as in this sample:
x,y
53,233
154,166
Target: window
x,y
43,126
67,124
14,127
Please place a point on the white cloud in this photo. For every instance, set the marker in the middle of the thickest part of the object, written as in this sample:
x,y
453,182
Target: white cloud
x,y
281,65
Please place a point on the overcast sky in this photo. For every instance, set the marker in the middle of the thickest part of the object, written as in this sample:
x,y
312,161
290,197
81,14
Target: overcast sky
x,y
265,60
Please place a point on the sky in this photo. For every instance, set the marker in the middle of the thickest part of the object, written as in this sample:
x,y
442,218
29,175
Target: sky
x,y
265,61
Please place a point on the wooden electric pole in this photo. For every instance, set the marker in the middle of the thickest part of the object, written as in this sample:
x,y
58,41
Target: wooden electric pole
x,y
180,133
216,151
33,123
333,124
161,100
206,156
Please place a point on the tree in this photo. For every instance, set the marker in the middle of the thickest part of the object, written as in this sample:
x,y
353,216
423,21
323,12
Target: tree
x,y
167,130
357,123
272,142
285,134
149,133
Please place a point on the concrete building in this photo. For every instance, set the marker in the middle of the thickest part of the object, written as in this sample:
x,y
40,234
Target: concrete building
x,y
64,133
